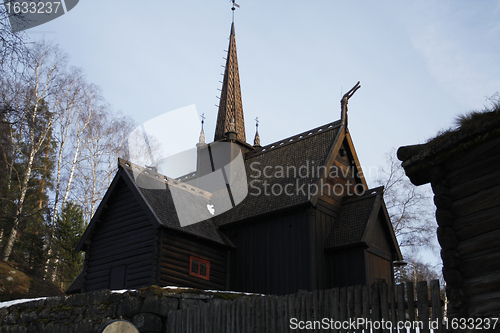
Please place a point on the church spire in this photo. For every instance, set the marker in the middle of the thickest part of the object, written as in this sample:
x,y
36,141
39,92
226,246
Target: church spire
x,y
256,140
230,106
201,141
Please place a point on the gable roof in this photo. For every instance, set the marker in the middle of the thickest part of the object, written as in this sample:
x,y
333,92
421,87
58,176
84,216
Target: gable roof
x,y
357,219
156,201
351,225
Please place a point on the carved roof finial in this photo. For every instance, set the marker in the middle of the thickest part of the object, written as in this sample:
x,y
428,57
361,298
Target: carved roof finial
x,y
344,101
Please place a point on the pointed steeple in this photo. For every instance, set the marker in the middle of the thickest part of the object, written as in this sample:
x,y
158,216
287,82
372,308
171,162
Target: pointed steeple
x,y
230,106
201,141
256,140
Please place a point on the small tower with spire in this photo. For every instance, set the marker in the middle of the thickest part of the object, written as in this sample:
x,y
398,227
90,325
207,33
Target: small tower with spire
x,y
201,141
256,140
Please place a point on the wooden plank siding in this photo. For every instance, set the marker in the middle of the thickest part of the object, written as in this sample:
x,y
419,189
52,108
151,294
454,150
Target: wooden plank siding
x,y
323,219
379,241
347,268
125,237
271,254
176,249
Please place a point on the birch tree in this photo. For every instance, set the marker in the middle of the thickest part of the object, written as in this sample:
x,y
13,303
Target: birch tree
x,y
410,207
39,88
105,141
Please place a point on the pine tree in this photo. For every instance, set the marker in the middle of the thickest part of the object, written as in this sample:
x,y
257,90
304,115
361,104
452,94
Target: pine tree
x,y
68,231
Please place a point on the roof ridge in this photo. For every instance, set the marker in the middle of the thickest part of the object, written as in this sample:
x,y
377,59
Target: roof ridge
x,y
370,193
294,138
168,181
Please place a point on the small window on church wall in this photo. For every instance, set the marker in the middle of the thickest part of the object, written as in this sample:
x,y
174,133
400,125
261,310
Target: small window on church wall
x,y
199,267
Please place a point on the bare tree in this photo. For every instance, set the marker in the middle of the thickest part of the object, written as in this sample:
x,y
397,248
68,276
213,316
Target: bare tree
x,y
36,94
13,47
105,141
410,207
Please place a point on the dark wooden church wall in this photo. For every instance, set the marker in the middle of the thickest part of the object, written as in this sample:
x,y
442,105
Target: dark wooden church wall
x,y
176,250
378,268
286,270
122,245
347,267
470,241
322,218
378,255
379,241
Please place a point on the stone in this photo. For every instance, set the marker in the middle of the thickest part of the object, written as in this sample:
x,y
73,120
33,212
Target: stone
x,y
11,318
129,306
97,296
150,304
167,304
55,301
17,329
76,299
79,310
101,310
85,326
147,322
27,317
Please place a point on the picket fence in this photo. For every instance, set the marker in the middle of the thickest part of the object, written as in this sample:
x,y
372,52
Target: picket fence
x,y
370,308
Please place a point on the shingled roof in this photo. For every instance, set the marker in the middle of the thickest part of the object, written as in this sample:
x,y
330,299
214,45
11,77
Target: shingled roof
x,y
159,198
308,150
351,225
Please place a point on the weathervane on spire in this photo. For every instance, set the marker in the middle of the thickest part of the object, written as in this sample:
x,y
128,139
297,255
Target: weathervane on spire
x,y
235,5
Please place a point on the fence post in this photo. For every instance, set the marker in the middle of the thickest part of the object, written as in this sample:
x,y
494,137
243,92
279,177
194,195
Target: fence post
x,y
335,304
375,302
366,302
384,303
358,301
423,305
350,302
400,293
411,304
392,299
436,305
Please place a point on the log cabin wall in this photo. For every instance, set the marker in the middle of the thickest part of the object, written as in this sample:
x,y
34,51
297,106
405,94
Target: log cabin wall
x,y
120,253
462,165
467,197
175,252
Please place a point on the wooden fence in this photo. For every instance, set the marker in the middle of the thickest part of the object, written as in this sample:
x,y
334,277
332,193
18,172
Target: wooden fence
x,y
374,308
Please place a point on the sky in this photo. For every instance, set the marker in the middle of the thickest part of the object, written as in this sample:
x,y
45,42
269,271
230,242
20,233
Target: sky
x,y
420,63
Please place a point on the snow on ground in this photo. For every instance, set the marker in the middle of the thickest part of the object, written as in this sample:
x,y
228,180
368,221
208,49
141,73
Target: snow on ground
x,y
25,300
18,301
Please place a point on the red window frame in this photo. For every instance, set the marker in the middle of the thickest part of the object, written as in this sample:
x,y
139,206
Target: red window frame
x,y
197,269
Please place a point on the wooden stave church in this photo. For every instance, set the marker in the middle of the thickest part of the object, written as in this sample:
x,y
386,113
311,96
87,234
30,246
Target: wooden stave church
x,y
271,244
